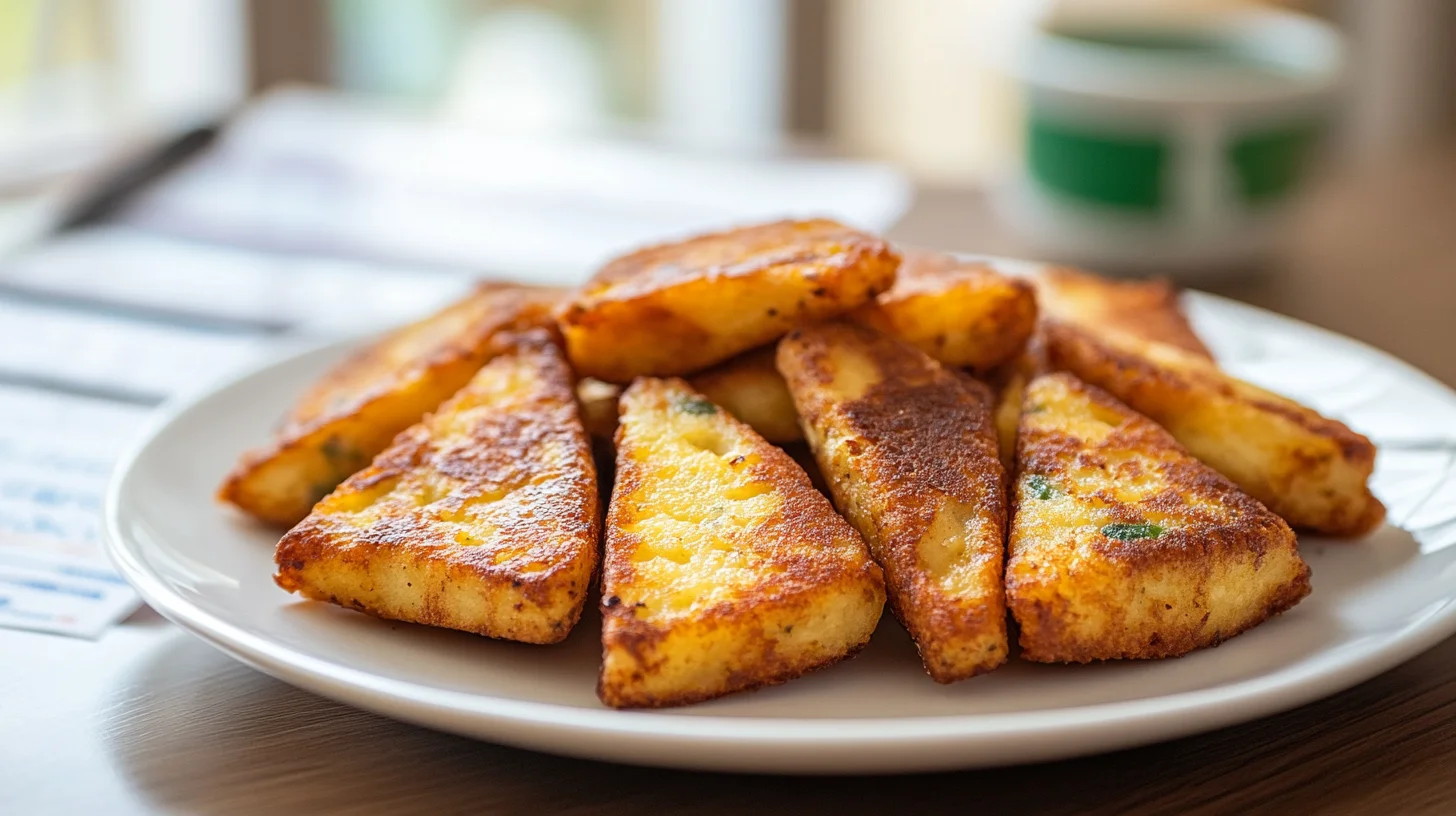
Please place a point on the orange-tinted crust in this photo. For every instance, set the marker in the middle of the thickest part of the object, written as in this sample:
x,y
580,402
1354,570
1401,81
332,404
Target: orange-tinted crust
x,y
681,307
354,411
1143,591
811,553
920,442
480,500
1149,309
962,313
1308,468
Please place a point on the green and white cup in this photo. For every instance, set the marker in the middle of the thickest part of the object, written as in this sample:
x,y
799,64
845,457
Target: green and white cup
x,y
1169,149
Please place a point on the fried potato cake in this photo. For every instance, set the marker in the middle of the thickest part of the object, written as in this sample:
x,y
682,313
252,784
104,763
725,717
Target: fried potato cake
x,y
1311,470
750,388
909,451
345,419
598,401
1010,394
682,307
1008,384
1148,309
1123,545
484,517
725,569
962,313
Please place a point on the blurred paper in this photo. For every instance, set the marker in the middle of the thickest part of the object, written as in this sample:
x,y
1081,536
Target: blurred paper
x,y
311,215
120,358
48,591
309,172
56,455
268,291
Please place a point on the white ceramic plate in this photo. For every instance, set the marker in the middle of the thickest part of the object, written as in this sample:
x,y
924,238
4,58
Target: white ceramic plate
x,y
1376,603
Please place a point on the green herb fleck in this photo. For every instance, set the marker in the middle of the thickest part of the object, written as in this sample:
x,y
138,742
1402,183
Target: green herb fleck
x,y
1039,487
318,490
696,406
1132,532
340,454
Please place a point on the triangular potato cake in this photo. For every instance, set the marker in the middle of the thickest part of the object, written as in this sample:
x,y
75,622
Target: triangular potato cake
x,y
725,569
961,312
1149,309
680,307
1310,469
910,453
351,414
750,388
1123,545
484,517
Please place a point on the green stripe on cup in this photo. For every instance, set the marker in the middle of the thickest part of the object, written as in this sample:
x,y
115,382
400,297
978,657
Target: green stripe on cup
x,y
1268,163
1116,170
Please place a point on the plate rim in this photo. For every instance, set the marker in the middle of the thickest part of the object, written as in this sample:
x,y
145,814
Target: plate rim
x,y
1014,737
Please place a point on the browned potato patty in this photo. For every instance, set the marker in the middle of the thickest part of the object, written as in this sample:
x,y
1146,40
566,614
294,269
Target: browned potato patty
x,y
909,451
1309,469
1149,309
346,418
484,517
598,401
725,569
681,307
751,389
962,313
1124,546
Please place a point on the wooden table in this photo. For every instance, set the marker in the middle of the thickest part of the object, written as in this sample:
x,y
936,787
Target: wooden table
x,y
151,719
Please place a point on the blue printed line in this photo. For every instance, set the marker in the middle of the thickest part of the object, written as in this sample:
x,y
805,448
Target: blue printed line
x,y
93,574
48,586
26,614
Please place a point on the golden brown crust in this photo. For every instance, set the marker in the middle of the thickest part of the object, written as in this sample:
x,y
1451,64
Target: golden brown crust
x,y
1310,469
724,569
962,313
750,388
355,410
1217,564
1008,382
910,452
1148,309
681,307
484,517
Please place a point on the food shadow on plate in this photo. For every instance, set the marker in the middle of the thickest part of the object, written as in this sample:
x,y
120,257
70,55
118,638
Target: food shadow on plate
x,y
1352,594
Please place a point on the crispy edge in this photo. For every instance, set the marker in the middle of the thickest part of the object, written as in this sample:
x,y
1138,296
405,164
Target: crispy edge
x,y
1149,309
1008,383
807,512
1040,607
632,300
653,268
962,313
750,388
315,542
903,437
1178,390
304,450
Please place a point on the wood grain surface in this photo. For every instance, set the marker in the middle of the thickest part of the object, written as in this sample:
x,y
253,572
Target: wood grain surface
x,y
150,719
200,733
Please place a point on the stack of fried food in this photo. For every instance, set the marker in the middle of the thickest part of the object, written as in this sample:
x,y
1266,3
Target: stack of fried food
x,y
805,424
